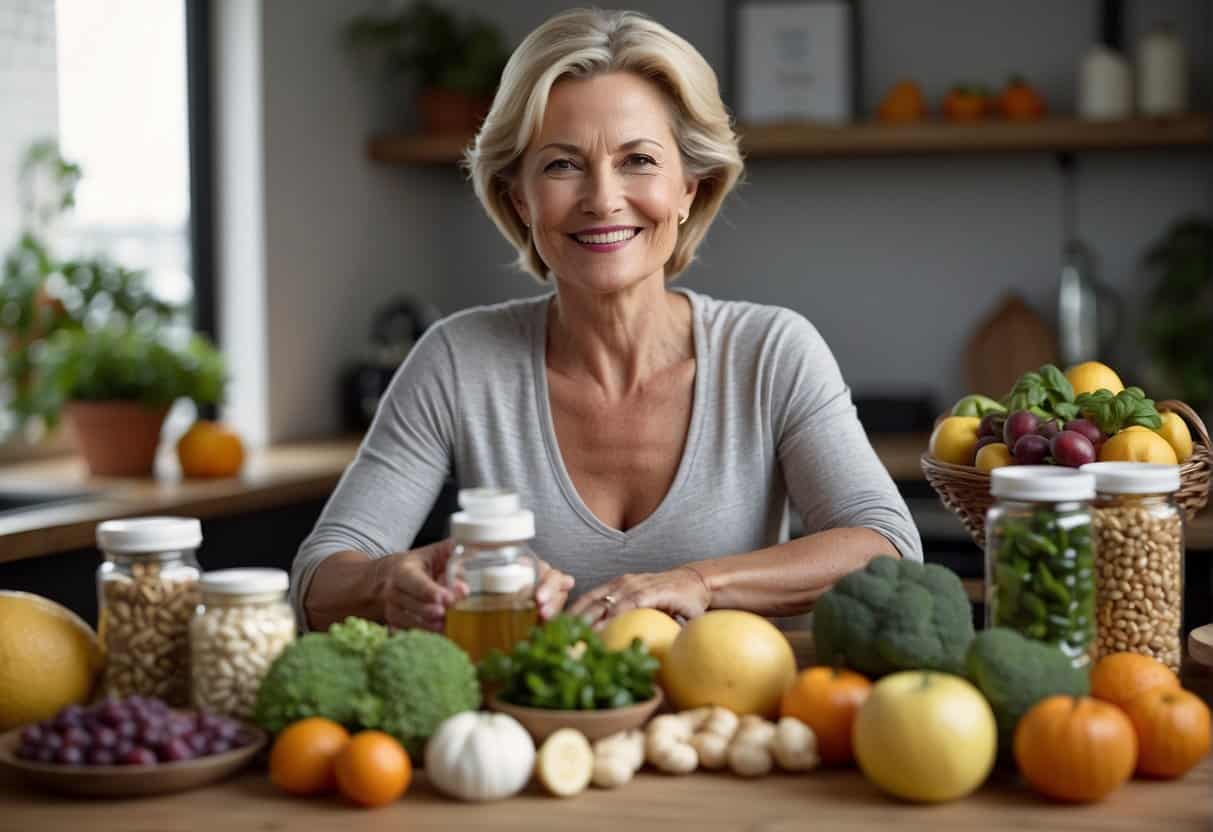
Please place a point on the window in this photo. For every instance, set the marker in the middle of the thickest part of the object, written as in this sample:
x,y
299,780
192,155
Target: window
x,y
123,117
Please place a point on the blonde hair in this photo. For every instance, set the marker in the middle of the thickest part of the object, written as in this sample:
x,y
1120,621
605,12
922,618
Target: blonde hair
x,y
583,43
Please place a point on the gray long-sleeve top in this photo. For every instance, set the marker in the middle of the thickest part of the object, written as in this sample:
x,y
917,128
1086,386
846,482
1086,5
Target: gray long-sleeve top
x,y
772,422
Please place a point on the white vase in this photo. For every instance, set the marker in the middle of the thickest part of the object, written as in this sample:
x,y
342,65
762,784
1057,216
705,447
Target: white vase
x,y
1105,85
1162,74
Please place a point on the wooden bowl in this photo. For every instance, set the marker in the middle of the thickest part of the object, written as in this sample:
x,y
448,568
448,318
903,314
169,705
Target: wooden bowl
x,y
129,781
542,722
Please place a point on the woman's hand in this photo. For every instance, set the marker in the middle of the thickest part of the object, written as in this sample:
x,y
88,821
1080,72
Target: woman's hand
x,y
552,590
679,592
414,593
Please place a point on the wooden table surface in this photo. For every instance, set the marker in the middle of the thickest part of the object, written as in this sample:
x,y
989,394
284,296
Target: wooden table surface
x,y
822,799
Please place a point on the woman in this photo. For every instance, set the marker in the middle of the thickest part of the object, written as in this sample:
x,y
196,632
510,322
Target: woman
x,y
657,434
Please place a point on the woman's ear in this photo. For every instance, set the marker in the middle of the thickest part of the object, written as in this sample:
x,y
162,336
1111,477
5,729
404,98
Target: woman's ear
x,y
688,198
521,207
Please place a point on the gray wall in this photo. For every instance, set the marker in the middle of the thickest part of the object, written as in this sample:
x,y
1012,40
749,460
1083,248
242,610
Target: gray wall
x,y
29,96
895,260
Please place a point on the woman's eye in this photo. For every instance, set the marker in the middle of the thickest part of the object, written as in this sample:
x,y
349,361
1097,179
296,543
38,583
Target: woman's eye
x,y
641,161
559,164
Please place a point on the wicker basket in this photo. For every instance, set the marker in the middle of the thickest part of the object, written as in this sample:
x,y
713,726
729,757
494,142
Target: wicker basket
x,y
966,491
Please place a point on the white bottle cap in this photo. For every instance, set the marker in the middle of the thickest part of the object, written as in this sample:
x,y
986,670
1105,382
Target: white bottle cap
x,y
1043,483
149,534
506,579
493,528
1133,477
244,581
489,501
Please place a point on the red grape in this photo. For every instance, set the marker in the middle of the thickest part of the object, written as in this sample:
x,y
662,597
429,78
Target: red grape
x,y
1072,448
1019,424
138,756
992,425
69,755
1030,449
982,441
100,757
1049,428
1087,428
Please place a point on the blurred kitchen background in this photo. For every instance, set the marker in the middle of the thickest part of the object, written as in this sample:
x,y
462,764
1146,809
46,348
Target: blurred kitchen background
x,y
283,185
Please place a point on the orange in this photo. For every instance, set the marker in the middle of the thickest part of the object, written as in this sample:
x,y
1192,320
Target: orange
x,y
827,700
301,761
373,769
1120,678
209,449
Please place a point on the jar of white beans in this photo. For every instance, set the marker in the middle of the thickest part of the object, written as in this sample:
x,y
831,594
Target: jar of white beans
x,y
240,627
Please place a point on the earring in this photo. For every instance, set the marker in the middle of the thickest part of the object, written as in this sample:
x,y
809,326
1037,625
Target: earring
x,y
682,219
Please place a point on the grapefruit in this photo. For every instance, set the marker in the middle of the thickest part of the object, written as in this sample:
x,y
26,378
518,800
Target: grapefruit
x,y
653,627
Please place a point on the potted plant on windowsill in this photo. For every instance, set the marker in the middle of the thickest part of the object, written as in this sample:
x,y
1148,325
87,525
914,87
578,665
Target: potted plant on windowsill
x,y
115,385
457,62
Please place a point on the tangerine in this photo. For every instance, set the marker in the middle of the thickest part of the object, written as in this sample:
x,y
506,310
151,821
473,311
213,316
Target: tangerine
x,y
373,769
302,759
210,449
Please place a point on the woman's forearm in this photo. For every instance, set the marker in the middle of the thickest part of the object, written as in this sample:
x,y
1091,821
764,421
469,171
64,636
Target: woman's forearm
x,y
346,583
787,579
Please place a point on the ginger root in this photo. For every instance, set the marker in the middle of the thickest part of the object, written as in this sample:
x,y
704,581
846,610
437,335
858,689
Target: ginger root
x,y
617,758
795,745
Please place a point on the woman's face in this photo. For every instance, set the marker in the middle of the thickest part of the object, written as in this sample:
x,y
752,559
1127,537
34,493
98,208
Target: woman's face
x,y
602,185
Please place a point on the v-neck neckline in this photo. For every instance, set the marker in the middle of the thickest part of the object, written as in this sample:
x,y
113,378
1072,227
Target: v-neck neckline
x,y
548,426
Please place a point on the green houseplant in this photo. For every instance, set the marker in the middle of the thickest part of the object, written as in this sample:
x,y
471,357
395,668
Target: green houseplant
x,y
87,339
1177,328
456,61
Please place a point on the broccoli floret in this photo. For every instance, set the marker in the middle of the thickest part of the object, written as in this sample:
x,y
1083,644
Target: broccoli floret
x,y
419,679
1015,672
894,615
313,676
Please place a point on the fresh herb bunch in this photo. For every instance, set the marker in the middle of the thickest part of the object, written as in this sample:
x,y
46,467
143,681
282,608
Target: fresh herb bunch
x,y
1045,392
1114,413
564,665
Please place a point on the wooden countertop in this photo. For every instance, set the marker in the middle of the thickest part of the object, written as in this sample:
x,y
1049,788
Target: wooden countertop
x,y
823,799
289,473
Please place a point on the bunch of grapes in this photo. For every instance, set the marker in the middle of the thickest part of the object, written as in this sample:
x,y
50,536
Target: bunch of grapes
x,y
134,731
1035,441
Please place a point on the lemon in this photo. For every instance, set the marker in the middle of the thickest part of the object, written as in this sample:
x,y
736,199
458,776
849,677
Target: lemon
x,y
49,658
1138,446
1175,431
994,455
656,629
954,440
1091,376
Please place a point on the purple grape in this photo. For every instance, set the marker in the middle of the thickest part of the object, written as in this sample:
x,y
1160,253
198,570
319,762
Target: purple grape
x,y
52,741
69,756
1087,428
138,756
45,755
152,736
1030,449
122,748
100,757
111,713
982,441
174,751
1072,448
219,746
77,736
992,425
105,738
1049,428
198,743
28,751
1019,424
31,734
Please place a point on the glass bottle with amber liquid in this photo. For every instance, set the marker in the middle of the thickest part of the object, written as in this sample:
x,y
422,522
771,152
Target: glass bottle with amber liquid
x,y
493,572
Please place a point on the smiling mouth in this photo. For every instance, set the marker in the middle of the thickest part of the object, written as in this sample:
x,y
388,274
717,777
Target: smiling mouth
x,y
607,239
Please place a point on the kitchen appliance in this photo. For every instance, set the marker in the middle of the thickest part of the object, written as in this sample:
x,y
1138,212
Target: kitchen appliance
x,y
396,327
1088,312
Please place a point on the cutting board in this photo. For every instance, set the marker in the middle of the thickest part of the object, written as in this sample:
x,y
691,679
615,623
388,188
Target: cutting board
x,y
1007,343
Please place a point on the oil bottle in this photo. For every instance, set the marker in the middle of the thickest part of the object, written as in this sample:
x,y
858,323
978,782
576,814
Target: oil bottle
x,y
494,570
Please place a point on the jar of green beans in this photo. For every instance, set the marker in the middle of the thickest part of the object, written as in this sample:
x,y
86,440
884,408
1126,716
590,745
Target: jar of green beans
x,y
1040,559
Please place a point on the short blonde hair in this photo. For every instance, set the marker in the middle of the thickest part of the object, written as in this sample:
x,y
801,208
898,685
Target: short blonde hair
x,y
583,43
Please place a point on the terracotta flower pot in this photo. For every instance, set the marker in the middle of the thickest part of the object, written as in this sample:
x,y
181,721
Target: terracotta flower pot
x,y
451,111
117,438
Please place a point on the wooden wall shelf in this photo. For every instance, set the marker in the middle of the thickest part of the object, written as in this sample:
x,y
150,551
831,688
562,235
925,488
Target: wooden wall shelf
x,y
796,141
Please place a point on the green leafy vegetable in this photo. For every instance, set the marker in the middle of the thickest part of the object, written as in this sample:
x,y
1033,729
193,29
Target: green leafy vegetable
x,y
1045,392
1113,413
564,665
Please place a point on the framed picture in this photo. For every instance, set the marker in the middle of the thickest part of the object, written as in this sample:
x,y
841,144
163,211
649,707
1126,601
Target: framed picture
x,y
794,60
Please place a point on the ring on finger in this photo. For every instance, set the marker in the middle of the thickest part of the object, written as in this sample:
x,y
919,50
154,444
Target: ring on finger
x,y
609,600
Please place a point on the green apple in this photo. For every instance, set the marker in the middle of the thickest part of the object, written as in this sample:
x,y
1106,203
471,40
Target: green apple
x,y
925,736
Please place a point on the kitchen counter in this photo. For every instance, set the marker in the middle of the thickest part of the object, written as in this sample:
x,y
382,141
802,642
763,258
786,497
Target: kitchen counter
x,y
824,799
288,473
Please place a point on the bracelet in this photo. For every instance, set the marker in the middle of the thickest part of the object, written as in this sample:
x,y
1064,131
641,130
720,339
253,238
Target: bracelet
x,y
703,581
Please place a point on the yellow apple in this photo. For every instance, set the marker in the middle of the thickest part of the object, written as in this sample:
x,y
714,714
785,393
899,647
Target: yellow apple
x,y
925,736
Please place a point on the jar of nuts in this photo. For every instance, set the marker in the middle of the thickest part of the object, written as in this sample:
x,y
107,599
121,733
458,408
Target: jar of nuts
x,y
1139,560
241,626
1040,560
147,589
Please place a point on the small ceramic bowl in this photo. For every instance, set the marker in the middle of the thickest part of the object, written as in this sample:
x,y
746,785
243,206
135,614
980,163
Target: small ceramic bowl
x,y
541,722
